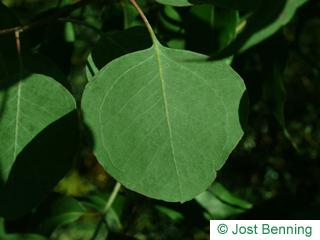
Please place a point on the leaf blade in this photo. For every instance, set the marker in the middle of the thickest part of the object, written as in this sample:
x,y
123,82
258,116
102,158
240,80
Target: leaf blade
x,y
36,112
132,116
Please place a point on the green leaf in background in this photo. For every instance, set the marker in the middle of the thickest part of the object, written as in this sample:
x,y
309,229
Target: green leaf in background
x,y
274,60
163,121
98,200
175,3
111,47
23,236
174,215
220,203
210,29
242,5
130,15
63,210
170,28
277,95
247,5
282,19
170,19
264,22
39,138
2,227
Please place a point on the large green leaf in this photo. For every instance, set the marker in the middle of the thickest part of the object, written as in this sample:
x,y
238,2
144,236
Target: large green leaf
x,y
163,121
264,22
232,4
39,132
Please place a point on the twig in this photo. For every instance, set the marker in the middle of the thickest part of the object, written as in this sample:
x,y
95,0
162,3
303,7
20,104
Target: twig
x,y
97,30
106,208
144,18
45,20
17,32
17,35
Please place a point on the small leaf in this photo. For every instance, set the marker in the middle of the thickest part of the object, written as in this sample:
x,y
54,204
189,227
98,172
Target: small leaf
x,y
174,215
220,203
170,28
247,5
274,87
163,121
282,19
170,20
130,15
264,22
63,210
39,138
98,201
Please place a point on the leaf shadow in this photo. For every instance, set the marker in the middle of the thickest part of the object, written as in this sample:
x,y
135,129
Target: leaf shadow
x,y
39,167
88,134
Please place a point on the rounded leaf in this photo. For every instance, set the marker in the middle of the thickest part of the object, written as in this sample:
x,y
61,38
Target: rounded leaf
x,y
39,139
163,121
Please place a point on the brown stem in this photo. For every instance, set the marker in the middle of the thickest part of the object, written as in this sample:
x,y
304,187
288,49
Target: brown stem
x,y
17,32
17,35
97,30
144,18
45,20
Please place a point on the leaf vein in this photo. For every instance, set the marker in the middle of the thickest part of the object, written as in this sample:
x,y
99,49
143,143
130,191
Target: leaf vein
x,y
167,115
146,135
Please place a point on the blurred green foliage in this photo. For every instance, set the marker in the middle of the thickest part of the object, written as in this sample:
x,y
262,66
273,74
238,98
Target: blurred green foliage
x,y
274,173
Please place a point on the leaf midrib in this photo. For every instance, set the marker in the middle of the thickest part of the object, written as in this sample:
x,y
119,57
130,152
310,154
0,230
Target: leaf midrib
x,y
167,114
